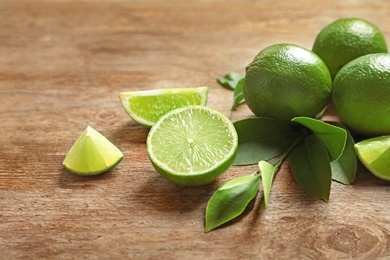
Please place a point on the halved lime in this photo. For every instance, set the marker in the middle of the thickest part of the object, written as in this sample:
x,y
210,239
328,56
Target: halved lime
x,y
192,146
374,153
148,106
92,154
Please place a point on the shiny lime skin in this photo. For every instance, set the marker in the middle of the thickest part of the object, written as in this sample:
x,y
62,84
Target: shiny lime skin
x,y
347,39
285,81
361,94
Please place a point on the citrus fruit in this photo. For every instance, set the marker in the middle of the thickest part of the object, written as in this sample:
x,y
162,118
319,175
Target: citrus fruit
x,y
374,153
146,107
285,81
361,94
345,40
92,154
192,146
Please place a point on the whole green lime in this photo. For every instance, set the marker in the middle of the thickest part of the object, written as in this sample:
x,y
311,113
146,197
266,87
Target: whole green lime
x,y
347,39
361,94
285,81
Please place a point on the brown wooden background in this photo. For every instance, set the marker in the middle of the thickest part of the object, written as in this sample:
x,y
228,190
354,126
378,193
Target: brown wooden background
x,y
62,65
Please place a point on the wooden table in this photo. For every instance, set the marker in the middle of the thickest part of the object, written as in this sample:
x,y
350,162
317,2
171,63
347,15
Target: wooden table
x,y
62,65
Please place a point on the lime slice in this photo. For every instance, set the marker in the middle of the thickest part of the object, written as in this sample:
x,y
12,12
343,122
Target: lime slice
x,y
374,153
192,146
92,154
146,107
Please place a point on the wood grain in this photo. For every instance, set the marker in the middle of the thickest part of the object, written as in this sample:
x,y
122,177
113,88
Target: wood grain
x,y
62,65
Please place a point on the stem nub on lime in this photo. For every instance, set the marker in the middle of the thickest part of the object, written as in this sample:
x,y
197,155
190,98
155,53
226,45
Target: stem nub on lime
x,y
192,146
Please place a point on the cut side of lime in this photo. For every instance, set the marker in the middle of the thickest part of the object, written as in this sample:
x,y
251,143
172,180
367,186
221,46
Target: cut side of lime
x,y
374,153
148,106
192,146
92,154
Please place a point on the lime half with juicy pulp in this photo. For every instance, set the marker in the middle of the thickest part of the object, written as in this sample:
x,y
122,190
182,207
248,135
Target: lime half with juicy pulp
x,y
148,106
374,153
92,154
192,146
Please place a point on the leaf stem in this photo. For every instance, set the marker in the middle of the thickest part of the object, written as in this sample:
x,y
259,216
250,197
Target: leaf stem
x,y
284,155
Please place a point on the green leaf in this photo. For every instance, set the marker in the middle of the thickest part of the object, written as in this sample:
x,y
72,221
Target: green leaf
x,y
230,80
267,172
333,137
310,166
238,94
230,200
262,138
344,169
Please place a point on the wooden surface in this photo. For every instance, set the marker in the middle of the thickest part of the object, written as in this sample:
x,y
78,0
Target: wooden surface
x,y
62,65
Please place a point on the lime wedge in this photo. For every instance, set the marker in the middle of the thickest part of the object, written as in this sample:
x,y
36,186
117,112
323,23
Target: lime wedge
x,y
146,107
192,146
92,154
374,153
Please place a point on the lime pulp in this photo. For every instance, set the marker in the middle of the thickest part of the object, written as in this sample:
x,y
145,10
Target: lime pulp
x,y
193,145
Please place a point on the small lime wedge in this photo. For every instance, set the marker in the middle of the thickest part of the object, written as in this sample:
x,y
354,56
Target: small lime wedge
x,y
146,107
92,154
192,146
374,153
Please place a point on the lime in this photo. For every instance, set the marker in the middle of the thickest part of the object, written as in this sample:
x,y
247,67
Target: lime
x,y
345,40
146,107
192,146
374,153
361,94
285,81
92,154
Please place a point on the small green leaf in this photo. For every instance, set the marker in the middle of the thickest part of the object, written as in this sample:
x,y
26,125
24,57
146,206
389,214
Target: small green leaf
x,y
230,80
333,137
310,166
262,138
267,172
238,94
230,200
344,168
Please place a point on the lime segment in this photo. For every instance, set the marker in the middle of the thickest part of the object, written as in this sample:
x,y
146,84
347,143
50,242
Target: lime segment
x,y
92,154
192,146
146,107
374,153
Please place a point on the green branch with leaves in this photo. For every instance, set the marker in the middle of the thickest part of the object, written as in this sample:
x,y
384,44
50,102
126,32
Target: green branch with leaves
x,y
318,152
